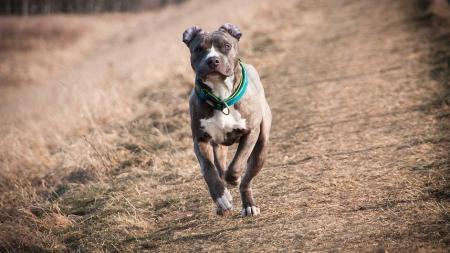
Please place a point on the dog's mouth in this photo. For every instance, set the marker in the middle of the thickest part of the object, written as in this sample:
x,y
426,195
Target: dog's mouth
x,y
215,73
214,76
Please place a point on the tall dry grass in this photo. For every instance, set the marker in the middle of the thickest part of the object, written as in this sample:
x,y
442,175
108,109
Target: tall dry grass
x,y
36,130
80,101
36,106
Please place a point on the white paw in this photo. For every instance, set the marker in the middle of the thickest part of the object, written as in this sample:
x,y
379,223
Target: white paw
x,y
224,202
250,211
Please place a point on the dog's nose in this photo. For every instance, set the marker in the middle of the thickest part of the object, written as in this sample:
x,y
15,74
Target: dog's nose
x,y
213,62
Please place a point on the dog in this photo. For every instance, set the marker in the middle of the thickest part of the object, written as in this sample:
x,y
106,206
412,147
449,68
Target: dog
x,y
227,106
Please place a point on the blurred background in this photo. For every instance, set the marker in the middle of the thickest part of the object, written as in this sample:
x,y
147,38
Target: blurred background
x,y
30,7
95,145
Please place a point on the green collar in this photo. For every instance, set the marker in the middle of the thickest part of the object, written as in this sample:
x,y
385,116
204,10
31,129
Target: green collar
x,y
204,92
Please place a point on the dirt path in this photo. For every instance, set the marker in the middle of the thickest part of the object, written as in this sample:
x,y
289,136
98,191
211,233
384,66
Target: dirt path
x,y
364,138
359,158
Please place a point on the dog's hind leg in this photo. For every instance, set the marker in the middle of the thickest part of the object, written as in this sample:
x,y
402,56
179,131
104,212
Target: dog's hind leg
x,y
254,165
219,193
220,158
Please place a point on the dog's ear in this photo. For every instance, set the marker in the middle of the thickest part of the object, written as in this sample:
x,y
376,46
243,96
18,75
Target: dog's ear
x,y
233,30
190,33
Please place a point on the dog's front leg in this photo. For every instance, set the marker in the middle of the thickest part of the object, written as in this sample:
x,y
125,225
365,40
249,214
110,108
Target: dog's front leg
x,y
219,193
220,158
239,162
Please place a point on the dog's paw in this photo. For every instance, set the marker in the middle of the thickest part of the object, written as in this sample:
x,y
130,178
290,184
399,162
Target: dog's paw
x,y
222,212
250,211
223,203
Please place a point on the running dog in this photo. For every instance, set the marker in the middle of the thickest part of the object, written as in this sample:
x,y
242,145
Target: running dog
x,y
227,106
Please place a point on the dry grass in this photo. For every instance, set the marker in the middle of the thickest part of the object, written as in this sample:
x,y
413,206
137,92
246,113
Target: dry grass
x,y
359,158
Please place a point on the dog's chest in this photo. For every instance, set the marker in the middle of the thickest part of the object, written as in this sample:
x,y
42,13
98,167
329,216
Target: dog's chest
x,y
224,129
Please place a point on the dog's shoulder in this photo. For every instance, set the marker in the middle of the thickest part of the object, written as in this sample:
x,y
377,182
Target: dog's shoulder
x,y
251,70
255,80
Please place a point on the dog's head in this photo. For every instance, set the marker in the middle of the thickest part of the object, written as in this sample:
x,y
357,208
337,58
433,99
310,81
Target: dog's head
x,y
214,53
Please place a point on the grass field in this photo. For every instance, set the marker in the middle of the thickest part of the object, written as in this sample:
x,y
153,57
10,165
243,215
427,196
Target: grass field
x,y
96,152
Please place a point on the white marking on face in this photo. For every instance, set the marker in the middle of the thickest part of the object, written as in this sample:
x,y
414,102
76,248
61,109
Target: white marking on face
x,y
224,202
220,124
213,52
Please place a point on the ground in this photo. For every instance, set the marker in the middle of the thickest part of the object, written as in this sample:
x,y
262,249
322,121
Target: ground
x,y
97,156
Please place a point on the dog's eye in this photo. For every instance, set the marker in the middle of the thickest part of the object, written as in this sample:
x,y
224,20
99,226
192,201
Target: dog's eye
x,y
227,46
198,49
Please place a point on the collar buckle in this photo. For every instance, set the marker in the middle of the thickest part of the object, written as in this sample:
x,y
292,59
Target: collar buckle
x,y
227,111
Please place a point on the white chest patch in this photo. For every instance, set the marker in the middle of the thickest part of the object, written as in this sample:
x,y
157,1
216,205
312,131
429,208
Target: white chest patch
x,y
220,124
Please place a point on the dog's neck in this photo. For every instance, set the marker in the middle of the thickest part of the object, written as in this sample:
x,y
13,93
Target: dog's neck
x,y
221,87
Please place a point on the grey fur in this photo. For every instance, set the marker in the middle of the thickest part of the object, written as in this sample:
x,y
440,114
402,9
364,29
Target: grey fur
x,y
253,107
